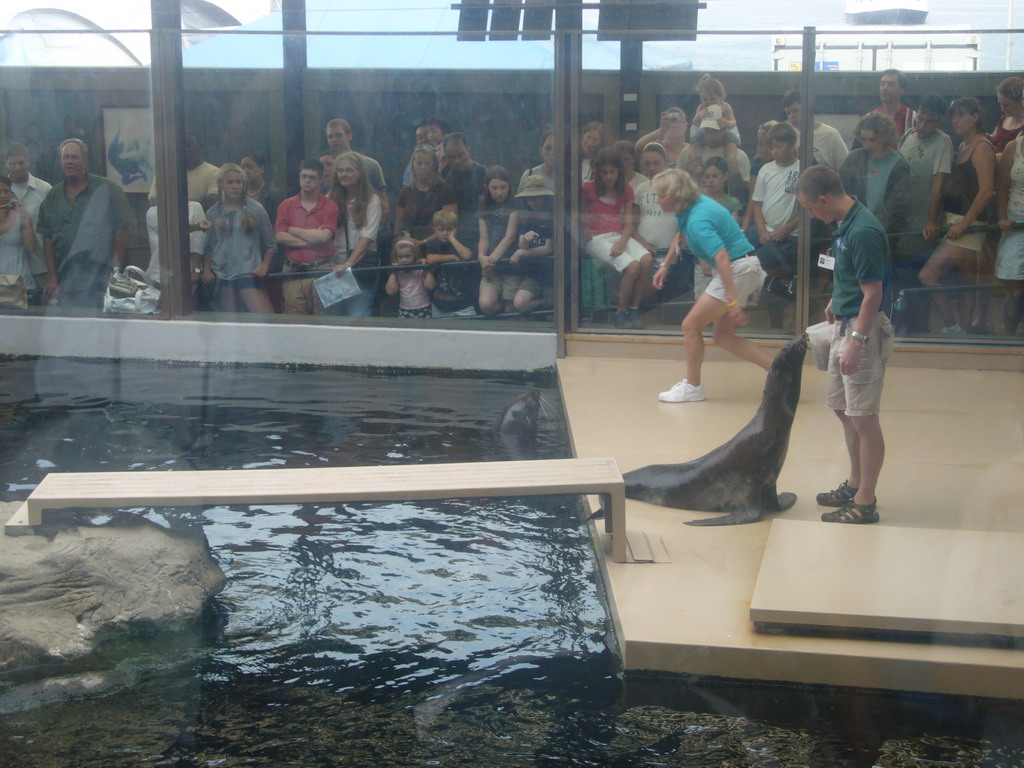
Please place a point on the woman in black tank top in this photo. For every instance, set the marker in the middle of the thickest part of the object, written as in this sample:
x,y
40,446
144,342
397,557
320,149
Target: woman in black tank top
x,y
966,194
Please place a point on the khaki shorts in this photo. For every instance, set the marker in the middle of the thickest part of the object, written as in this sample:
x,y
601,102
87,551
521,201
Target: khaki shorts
x,y
504,285
969,241
532,287
299,294
860,393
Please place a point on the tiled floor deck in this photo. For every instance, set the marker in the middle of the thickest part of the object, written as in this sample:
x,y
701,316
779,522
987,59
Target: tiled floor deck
x,y
955,461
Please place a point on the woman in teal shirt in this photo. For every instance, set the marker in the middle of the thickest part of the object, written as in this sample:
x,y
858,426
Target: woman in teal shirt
x,y
712,235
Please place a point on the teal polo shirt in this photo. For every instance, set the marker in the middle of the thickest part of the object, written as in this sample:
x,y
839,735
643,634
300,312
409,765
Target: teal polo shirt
x,y
709,228
861,251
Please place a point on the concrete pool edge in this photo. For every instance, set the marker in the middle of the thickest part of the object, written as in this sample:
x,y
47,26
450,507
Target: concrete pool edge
x,y
234,342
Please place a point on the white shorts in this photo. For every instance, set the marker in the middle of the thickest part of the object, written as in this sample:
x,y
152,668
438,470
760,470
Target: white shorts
x,y
747,279
600,248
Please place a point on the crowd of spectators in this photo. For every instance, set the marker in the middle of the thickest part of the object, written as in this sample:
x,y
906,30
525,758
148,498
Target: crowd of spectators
x,y
476,240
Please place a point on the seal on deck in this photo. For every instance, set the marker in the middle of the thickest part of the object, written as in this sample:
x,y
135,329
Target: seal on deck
x,y
737,477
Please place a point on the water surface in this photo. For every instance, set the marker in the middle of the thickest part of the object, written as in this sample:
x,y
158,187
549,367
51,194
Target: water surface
x,y
452,633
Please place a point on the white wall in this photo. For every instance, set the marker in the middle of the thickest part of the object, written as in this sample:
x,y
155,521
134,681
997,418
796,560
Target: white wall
x,y
193,341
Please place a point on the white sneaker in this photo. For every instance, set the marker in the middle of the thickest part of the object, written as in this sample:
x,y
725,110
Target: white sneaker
x,y
684,392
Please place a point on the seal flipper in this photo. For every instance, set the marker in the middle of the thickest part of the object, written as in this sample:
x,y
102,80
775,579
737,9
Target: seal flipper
x,y
744,516
786,500
740,517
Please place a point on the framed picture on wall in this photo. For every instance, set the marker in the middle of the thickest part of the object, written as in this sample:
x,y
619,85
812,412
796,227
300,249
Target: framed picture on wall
x,y
128,147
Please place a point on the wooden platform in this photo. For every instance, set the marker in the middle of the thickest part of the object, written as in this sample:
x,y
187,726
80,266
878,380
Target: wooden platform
x,y
954,463
892,579
332,485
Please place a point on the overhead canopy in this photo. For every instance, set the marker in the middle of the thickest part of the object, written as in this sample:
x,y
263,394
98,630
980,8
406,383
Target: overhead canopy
x,y
37,44
382,49
206,46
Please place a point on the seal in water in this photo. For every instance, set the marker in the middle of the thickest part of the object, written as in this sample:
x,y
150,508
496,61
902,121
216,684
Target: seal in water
x,y
519,419
739,476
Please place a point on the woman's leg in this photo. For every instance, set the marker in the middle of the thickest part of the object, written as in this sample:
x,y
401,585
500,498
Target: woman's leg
x,y
225,296
706,311
361,305
931,274
725,337
1012,308
984,276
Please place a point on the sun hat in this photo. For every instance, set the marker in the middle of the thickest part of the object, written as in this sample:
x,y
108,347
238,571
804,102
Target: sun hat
x,y
533,186
712,114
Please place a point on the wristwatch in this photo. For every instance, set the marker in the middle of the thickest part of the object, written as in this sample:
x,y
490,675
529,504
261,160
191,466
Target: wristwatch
x,y
197,270
860,337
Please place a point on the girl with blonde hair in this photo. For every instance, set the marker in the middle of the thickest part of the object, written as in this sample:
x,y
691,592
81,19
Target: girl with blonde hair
x,y
240,245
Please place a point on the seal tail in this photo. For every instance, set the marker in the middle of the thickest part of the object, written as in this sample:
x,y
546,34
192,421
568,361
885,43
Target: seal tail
x,y
781,503
741,517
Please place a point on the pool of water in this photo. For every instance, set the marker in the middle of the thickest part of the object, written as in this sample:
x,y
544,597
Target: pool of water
x,y
453,633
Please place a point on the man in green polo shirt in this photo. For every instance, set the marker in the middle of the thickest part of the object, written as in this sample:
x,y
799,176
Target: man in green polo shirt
x,y
861,337
84,224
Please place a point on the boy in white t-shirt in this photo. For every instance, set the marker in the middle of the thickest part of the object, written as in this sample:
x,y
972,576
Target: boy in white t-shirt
x,y
776,212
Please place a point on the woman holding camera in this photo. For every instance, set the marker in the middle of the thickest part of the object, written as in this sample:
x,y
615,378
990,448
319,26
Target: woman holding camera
x,y
671,134
17,236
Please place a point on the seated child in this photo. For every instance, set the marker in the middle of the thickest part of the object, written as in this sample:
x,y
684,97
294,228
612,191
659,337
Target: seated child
x,y
412,285
453,294
532,229
609,222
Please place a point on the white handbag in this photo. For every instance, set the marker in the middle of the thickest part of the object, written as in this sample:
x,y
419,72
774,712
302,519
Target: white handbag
x,y
131,292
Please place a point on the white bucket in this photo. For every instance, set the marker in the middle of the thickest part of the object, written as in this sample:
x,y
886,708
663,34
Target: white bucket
x,y
820,337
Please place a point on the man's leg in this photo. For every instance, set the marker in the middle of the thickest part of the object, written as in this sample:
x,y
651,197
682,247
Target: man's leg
x,y
870,456
852,438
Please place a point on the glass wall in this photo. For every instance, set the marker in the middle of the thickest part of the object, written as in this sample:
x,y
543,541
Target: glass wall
x,y
666,124
469,117
918,181
267,100
103,116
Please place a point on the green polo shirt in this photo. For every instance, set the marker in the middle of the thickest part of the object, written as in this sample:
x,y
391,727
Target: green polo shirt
x,y
861,251
84,226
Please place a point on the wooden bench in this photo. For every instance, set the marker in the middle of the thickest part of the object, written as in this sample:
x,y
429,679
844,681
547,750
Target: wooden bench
x,y
62,490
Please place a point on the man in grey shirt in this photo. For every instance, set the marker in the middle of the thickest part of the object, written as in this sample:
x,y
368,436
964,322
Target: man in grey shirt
x,y
466,176
84,221
339,139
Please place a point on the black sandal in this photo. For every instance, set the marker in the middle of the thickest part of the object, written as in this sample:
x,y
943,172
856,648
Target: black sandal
x,y
838,497
852,513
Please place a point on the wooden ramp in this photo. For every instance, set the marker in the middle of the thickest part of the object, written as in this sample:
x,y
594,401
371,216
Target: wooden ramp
x,y
890,579
62,490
